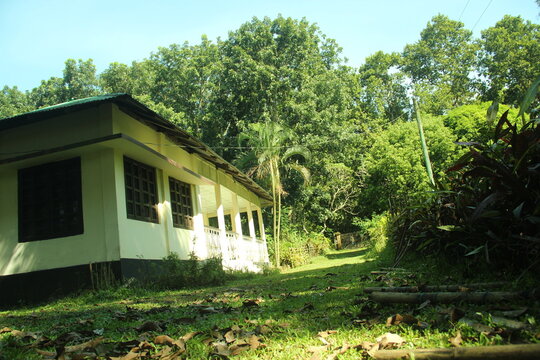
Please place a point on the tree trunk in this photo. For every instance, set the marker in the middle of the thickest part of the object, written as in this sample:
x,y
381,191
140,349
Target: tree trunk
x,y
521,352
278,185
274,229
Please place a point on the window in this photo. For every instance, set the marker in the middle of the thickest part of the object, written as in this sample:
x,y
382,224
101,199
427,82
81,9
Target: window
x,y
50,201
181,204
141,191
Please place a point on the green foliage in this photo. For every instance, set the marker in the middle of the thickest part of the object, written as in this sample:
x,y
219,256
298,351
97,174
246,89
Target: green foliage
x,y
395,174
78,81
383,91
469,123
13,102
440,63
376,233
192,272
298,247
507,59
269,155
490,210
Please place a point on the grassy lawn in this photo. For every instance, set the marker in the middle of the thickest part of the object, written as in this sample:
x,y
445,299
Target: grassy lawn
x,y
314,311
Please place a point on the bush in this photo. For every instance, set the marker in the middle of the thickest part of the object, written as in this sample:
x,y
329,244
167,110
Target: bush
x,y
297,247
179,273
375,233
489,213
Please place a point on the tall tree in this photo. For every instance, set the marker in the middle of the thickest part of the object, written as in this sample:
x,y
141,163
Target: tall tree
x,y
440,64
267,64
509,58
268,157
383,89
13,102
79,81
137,79
185,79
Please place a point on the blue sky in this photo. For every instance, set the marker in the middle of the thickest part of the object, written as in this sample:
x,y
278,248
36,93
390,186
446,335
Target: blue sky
x,y
37,36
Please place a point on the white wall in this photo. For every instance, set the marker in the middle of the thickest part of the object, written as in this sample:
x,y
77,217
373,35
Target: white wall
x,y
97,243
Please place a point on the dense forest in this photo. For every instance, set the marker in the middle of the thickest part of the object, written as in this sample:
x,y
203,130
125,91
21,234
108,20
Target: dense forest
x,y
338,146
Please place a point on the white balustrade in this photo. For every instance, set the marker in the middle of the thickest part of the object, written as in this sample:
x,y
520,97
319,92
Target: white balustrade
x,y
240,249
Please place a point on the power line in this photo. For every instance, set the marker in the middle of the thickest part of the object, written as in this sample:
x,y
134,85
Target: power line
x,y
463,11
480,17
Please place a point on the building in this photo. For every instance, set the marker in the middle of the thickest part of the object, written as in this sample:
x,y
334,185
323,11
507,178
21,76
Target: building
x,y
105,181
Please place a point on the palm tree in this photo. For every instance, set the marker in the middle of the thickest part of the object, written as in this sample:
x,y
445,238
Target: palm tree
x,y
271,155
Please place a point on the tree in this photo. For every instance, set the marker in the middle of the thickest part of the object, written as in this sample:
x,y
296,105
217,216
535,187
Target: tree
x,y
440,64
137,79
13,102
394,168
331,199
78,81
185,79
509,59
268,157
383,90
469,122
267,66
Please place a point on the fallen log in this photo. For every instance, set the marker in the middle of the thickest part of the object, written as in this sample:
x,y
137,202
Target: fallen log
x,y
521,352
446,297
433,288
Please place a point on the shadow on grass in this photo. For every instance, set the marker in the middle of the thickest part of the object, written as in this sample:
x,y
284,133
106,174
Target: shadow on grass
x,y
309,300
347,254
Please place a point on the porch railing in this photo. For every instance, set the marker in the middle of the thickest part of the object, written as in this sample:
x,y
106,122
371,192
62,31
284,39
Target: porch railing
x,y
237,247
213,246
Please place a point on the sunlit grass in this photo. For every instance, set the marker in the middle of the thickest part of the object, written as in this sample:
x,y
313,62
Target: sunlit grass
x,y
296,304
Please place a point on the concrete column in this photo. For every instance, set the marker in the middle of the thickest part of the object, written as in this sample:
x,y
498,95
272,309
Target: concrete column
x,y
221,224
261,224
164,207
256,252
263,234
251,223
241,251
199,242
235,215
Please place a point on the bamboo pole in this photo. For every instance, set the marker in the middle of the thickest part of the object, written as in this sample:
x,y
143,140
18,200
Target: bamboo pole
x,y
521,352
445,297
425,151
385,272
432,288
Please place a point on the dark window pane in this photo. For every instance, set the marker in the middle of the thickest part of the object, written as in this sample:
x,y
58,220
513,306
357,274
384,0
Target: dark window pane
x,y
181,208
141,191
50,201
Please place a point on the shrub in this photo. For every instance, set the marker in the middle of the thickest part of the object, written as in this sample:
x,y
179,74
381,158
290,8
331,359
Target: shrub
x,y
375,233
179,273
489,213
297,247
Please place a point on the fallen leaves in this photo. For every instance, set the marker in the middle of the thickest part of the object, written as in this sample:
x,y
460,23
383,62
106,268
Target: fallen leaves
x,y
456,340
383,342
233,341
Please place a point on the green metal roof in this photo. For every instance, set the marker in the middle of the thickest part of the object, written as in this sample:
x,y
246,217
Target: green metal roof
x,y
140,112
49,111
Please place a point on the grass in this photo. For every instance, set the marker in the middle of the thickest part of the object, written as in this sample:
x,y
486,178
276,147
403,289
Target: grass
x,y
288,312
